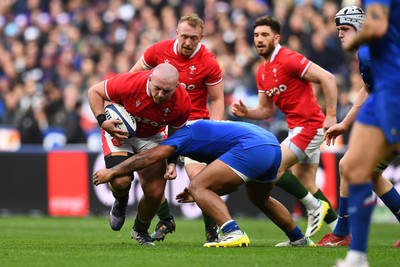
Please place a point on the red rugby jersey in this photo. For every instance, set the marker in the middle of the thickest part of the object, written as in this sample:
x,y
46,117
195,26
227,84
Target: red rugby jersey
x,y
195,73
282,79
130,90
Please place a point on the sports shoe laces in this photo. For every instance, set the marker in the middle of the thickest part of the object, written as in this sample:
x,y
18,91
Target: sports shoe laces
x,y
142,237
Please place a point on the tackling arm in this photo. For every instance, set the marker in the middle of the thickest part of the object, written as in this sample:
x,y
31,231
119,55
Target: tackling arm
x,y
134,163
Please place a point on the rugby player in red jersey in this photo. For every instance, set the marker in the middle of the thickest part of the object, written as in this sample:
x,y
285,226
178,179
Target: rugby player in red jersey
x,y
156,100
285,79
201,76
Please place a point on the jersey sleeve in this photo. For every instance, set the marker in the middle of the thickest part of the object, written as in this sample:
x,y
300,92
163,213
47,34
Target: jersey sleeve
x,y
116,86
149,56
177,139
215,73
296,64
260,79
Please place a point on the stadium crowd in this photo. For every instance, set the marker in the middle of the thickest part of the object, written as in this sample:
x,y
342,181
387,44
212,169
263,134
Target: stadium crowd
x,y
51,52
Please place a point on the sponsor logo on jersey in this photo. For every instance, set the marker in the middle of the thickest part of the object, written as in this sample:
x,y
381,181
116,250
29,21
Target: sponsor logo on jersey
x,y
276,90
149,122
189,87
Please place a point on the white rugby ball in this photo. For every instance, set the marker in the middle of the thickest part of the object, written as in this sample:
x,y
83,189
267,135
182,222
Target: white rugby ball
x,y
117,111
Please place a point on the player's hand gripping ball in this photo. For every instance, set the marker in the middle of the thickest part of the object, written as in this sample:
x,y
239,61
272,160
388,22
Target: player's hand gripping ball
x,y
117,111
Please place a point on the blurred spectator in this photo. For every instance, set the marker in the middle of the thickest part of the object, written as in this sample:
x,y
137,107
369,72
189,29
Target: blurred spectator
x,y
51,52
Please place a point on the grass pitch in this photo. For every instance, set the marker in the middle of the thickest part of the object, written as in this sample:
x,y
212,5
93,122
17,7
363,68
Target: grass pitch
x,y
47,241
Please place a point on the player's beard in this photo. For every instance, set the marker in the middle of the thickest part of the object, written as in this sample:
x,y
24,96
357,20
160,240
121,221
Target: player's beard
x,y
159,99
267,51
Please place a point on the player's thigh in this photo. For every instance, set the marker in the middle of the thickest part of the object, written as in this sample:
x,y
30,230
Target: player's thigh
x,y
258,193
218,177
193,167
289,159
366,147
152,179
306,173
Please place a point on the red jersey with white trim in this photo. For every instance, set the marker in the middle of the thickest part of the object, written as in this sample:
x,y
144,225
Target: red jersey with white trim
x,y
195,73
282,79
131,91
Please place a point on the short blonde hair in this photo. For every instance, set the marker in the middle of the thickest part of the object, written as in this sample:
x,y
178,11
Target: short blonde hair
x,y
193,20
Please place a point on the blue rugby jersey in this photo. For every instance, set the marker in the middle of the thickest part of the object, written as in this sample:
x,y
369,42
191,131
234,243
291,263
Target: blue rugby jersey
x,y
385,52
207,140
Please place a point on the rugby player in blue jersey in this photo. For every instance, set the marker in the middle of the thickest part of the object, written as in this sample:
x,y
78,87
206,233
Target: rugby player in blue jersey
x,y
376,132
349,21
236,153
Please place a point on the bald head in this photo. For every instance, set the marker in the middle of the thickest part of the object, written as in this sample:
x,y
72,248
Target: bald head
x,y
163,82
166,74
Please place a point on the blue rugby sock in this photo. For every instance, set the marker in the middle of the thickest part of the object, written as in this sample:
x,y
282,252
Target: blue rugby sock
x,y
342,228
295,234
361,205
392,201
229,226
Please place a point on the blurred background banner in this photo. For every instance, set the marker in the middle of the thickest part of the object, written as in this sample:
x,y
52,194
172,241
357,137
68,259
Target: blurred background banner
x,y
10,139
58,183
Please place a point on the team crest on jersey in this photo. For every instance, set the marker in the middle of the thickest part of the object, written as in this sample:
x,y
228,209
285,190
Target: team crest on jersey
x,y
192,69
166,111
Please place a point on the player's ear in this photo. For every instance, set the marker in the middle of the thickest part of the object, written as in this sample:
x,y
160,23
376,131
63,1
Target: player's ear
x,y
150,77
277,38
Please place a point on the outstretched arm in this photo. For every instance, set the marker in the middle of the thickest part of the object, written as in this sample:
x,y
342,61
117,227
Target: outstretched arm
x,y
339,128
264,110
327,80
134,163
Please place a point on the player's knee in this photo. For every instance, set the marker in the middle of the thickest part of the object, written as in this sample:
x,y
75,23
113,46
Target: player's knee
x,y
351,172
154,194
121,184
344,172
343,169
194,188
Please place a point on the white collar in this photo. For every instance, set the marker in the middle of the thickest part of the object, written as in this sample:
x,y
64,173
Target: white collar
x,y
276,51
193,54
